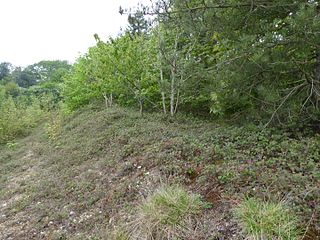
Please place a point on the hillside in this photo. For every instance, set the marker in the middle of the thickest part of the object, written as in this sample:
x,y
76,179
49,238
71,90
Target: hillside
x,y
88,181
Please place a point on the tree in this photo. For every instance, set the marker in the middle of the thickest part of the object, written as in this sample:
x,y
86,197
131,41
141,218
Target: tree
x,y
256,59
77,90
25,77
138,25
120,69
50,70
183,77
12,89
127,65
259,58
271,51
5,70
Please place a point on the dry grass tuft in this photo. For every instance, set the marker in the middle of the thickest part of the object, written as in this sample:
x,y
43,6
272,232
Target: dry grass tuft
x,y
166,214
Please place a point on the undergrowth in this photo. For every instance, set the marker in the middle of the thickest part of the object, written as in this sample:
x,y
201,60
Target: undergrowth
x,y
93,174
18,118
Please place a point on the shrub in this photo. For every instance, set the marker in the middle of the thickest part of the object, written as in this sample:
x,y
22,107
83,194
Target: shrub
x,y
54,126
17,118
267,220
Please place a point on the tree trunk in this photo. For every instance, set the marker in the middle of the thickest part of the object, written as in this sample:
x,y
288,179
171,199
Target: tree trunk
x,y
316,87
111,100
162,91
173,76
161,81
161,87
141,108
177,102
173,90
106,100
140,98
163,102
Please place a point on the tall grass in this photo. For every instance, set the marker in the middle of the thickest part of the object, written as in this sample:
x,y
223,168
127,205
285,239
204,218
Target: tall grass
x,y
267,220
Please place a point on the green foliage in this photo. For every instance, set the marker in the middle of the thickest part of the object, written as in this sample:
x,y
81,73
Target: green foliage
x,y
25,77
226,177
41,72
54,126
12,89
267,220
77,89
5,69
50,71
138,25
17,117
49,75
11,145
120,67
43,80
271,69
254,61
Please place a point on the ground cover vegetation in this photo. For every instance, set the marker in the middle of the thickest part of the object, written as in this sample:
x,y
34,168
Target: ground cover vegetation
x,y
110,173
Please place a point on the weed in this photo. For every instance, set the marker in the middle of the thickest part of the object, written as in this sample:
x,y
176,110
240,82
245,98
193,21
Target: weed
x,y
226,177
11,145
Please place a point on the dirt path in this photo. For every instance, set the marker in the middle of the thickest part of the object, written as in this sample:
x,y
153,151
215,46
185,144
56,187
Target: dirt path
x,y
19,170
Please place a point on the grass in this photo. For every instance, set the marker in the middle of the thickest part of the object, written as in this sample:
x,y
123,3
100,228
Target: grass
x,y
169,206
166,214
93,173
267,220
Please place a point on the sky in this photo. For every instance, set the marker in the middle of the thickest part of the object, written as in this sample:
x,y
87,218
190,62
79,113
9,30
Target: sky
x,y
35,30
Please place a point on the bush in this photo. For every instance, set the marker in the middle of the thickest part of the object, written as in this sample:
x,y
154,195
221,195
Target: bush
x,y
17,118
267,220
54,126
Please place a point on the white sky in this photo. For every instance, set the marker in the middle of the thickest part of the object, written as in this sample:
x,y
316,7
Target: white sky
x,y
35,30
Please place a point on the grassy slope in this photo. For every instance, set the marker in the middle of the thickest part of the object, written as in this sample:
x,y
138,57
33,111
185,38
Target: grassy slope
x,y
105,161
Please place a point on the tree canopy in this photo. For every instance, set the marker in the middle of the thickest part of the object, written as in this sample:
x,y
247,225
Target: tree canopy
x,y
254,60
